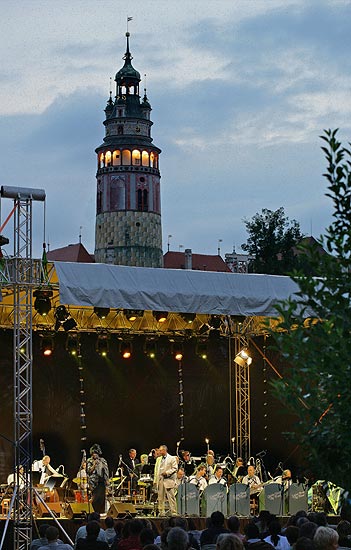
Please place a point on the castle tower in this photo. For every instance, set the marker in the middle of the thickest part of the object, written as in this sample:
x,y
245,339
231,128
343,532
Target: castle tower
x,y
128,206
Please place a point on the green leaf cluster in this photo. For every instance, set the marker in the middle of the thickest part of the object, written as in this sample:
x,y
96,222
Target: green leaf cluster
x,y
318,349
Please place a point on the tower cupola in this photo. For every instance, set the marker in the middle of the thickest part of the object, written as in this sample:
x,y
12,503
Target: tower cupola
x,y
128,205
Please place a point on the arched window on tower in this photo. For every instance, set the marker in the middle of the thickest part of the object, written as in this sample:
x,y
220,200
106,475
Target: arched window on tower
x,y
126,157
143,200
156,161
145,158
108,158
102,160
117,194
136,157
116,158
152,160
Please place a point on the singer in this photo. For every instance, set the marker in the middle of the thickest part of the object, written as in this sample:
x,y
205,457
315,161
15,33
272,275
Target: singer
x,y
98,476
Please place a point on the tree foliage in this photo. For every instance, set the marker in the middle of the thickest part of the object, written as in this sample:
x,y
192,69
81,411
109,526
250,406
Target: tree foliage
x,y
271,241
319,349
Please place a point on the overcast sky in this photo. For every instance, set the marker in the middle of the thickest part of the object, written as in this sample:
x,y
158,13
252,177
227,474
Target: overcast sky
x,y
240,91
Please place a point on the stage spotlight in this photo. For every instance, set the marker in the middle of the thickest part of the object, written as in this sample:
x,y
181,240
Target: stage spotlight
x,y
73,344
243,358
150,349
101,312
3,241
64,319
177,350
201,350
188,317
102,344
47,345
133,314
42,302
215,321
160,316
126,350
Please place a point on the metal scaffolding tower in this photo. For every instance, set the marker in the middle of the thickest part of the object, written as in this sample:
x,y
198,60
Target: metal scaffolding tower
x,y
242,401
22,274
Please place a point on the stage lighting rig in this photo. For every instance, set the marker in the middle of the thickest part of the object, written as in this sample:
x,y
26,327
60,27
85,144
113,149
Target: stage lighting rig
x,y
101,312
47,345
160,316
42,302
243,358
64,319
73,344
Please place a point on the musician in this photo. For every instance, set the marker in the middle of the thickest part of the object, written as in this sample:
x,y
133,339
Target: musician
x,y
166,481
12,478
217,477
98,476
187,463
131,462
251,478
181,477
47,470
284,479
82,481
199,478
239,469
210,463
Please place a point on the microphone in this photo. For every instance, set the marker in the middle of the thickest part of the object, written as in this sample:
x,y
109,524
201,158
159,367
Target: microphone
x,y
280,466
120,461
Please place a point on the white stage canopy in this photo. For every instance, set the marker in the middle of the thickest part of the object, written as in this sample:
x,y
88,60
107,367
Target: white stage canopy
x,y
176,290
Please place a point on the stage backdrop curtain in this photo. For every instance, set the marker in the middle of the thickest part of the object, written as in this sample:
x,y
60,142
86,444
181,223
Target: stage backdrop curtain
x,y
176,290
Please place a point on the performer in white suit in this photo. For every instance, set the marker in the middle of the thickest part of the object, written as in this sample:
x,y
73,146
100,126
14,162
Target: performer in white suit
x,y
166,481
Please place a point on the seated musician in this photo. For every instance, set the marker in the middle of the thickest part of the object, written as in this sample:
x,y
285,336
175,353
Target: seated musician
x,y
187,463
181,477
130,471
252,480
12,478
239,471
210,463
199,479
47,470
81,480
217,477
284,479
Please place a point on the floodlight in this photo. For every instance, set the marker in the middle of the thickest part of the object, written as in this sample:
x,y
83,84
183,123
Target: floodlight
x,y
42,302
101,312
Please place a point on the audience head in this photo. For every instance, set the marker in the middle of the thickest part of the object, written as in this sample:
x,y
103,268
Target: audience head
x,y
42,530
217,519
251,531
321,519
93,530
227,541
135,526
233,524
94,516
52,533
177,539
325,538
303,543
109,522
292,534
146,537
343,528
308,529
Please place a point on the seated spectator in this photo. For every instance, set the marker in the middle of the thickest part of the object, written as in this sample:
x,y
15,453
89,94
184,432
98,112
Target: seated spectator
x,y
52,538
292,534
308,529
252,534
344,531
132,541
146,537
228,541
276,538
110,532
42,540
91,542
325,538
82,531
233,524
321,519
177,539
209,535
303,543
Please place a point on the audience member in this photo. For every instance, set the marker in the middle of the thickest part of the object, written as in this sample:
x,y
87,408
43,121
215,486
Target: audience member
x,y
303,543
82,531
325,538
308,529
132,541
91,542
344,531
276,538
51,535
233,524
228,541
292,534
177,539
209,535
110,532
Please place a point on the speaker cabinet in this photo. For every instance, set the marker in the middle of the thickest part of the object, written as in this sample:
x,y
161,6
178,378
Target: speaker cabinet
x,y
78,509
55,508
122,510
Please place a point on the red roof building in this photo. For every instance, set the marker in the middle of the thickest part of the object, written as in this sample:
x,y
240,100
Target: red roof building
x,y
71,253
188,260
